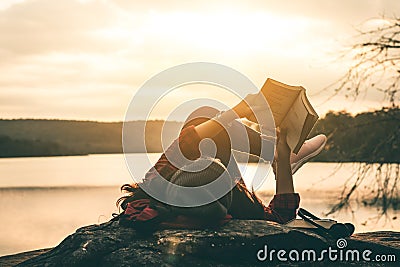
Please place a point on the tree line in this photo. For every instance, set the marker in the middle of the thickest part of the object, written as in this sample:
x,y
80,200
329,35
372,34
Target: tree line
x,y
360,138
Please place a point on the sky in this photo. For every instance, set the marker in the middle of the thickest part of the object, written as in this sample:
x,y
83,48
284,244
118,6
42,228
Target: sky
x,y
86,59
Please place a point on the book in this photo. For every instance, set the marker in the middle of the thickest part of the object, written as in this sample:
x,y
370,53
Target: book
x,y
291,110
300,223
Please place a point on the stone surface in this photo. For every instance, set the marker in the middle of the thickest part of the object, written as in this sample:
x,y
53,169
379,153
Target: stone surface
x,y
15,259
235,244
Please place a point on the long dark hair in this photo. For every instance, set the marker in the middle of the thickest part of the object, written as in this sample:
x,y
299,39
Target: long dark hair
x,y
132,192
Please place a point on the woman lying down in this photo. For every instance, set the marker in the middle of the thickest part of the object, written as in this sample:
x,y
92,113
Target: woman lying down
x,y
182,165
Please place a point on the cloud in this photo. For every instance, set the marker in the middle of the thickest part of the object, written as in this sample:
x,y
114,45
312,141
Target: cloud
x,y
97,53
42,26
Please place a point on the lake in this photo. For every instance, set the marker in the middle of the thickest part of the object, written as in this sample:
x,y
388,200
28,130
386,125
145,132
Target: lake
x,y
44,199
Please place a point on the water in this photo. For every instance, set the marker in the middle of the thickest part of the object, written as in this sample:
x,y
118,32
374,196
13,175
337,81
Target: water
x,y
44,199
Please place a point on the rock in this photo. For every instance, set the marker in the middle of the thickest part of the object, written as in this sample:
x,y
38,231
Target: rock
x,y
235,244
386,238
12,260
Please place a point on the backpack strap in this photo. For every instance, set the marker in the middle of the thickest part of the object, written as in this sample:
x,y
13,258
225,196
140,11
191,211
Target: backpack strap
x,y
337,230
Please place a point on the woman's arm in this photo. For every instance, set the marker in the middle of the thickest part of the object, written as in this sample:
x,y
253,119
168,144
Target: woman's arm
x,y
284,179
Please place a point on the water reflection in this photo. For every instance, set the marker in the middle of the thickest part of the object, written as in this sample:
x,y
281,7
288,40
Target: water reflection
x,y
45,199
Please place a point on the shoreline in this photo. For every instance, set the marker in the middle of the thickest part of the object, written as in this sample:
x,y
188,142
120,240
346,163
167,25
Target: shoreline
x,y
117,153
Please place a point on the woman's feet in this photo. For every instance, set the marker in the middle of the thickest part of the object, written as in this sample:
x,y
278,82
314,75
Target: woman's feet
x,y
310,149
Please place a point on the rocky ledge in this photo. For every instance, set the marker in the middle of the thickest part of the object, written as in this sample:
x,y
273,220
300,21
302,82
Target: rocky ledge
x,y
239,243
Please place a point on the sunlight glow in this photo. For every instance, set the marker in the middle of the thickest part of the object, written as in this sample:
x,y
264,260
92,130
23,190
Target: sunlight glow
x,y
230,31
180,102
375,23
4,4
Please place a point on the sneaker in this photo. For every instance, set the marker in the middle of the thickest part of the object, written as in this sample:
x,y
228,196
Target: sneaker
x,y
311,148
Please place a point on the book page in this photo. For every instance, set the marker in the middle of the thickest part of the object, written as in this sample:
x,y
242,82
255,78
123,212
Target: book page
x,y
299,122
308,105
311,119
294,123
280,98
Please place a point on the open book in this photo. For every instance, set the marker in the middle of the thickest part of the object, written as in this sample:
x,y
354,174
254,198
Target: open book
x,y
300,223
291,111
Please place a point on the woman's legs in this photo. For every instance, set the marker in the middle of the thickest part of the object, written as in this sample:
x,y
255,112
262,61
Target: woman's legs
x,y
244,138
245,205
221,139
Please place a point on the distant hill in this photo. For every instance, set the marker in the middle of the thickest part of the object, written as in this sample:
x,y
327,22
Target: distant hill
x,y
366,137
60,137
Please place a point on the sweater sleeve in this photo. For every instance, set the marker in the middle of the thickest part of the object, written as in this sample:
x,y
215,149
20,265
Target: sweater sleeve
x,y
282,208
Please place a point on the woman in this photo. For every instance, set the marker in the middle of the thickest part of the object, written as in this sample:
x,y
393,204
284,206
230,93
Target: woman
x,y
142,210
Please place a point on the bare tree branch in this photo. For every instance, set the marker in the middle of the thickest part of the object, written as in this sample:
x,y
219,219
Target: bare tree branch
x,y
376,66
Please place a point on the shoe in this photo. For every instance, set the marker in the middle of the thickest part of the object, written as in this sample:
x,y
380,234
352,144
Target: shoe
x,y
310,149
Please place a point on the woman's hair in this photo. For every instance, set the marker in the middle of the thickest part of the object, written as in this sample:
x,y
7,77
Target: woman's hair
x,y
133,192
